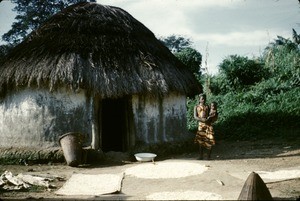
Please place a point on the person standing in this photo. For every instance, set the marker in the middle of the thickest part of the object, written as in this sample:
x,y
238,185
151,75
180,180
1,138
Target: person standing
x,y
205,133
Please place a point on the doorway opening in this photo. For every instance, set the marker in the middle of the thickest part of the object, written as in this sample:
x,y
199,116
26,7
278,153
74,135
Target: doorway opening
x,y
113,125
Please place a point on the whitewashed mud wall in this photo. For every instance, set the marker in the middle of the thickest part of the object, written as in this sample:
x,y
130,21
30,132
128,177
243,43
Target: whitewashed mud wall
x,y
36,118
159,120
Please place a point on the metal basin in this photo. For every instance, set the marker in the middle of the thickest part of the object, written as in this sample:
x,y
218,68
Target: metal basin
x,y
144,157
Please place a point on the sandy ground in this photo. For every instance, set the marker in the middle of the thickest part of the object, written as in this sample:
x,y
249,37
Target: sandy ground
x,y
221,178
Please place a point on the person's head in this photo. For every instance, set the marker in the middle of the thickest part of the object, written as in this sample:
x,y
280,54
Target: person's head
x,y
213,105
202,98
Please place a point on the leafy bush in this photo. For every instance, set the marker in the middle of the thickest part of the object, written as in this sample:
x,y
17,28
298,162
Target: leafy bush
x,y
283,63
192,124
250,115
257,98
191,58
241,71
219,84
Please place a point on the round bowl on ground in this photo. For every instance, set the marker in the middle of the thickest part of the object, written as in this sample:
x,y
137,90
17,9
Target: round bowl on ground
x,y
144,157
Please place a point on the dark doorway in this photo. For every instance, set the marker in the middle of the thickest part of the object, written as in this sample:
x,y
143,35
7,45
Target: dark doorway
x,y
113,125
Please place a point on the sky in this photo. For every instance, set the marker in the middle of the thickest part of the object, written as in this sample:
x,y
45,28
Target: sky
x,y
217,28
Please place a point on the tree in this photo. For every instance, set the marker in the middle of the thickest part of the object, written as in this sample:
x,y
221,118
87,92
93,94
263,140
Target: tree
x,y
181,48
31,14
282,58
191,58
282,42
296,37
241,71
176,43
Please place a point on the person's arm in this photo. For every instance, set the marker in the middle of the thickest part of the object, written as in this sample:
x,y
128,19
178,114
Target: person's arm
x,y
213,118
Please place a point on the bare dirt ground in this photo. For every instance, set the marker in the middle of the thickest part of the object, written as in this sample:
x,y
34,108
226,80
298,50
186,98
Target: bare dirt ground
x,y
226,173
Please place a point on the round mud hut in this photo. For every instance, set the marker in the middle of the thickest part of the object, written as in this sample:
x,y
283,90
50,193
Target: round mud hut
x,y
96,70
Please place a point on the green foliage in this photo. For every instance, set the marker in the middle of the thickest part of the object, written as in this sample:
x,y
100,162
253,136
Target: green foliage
x,y
267,106
191,58
219,84
192,123
176,43
241,71
254,114
31,14
283,63
181,47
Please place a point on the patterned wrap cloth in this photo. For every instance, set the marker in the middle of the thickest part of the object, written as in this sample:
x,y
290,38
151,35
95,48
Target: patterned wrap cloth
x,y
205,133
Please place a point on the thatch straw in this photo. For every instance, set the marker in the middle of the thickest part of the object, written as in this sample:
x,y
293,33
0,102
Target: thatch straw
x,y
102,49
255,189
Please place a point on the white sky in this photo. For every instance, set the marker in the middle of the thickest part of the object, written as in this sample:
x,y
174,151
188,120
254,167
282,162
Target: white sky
x,y
217,27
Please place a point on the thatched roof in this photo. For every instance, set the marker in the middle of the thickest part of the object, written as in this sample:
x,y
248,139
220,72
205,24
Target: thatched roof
x,y
102,49
255,189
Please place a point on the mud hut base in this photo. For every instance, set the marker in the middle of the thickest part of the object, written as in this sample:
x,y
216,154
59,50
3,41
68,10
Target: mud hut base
x,y
29,156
